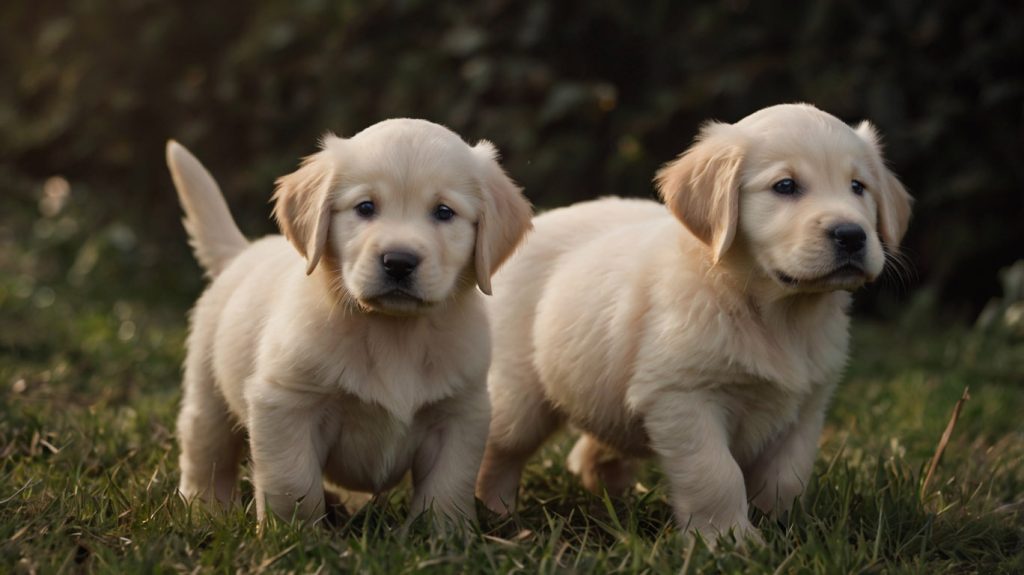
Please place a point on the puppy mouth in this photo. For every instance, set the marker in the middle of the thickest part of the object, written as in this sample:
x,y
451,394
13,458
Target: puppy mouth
x,y
848,275
395,301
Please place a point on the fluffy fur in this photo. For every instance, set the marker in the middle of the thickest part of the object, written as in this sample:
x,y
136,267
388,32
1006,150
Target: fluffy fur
x,y
305,348
710,334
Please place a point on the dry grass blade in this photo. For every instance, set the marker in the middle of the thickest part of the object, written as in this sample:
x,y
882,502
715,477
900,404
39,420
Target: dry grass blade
x,y
266,563
941,447
691,549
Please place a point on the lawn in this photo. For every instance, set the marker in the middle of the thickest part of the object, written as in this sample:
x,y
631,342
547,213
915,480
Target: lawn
x,y
91,341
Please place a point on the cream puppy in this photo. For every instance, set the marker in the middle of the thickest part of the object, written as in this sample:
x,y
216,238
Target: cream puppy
x,y
710,334
355,348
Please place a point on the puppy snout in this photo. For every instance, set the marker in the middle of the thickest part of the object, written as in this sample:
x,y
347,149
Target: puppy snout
x,y
849,239
399,265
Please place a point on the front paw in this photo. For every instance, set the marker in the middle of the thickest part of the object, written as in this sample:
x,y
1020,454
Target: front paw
x,y
439,522
776,499
290,506
742,532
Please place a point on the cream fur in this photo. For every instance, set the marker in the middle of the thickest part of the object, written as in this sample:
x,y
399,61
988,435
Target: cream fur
x,y
330,372
684,341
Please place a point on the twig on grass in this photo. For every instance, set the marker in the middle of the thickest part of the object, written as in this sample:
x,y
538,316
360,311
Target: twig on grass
x,y
28,484
941,447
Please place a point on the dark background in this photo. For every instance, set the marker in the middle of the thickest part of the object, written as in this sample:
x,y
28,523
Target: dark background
x,y
583,98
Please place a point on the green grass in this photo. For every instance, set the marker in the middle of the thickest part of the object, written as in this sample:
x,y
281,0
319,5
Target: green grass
x,y
89,371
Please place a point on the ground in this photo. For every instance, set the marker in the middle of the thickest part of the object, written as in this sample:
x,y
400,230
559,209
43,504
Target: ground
x,y
89,381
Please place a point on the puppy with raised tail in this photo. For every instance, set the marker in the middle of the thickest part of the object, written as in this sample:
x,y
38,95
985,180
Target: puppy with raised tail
x,y
355,348
708,332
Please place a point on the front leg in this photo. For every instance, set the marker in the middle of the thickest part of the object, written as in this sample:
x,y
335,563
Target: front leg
x,y
446,463
689,433
781,472
287,452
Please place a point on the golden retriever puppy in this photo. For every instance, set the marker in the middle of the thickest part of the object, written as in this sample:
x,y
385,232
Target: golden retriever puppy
x,y
710,334
356,347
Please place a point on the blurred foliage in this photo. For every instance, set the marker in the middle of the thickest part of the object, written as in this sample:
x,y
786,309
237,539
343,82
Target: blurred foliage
x,y
583,98
1006,313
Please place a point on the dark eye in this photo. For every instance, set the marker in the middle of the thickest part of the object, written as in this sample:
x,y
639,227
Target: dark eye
x,y
786,187
857,187
366,209
443,213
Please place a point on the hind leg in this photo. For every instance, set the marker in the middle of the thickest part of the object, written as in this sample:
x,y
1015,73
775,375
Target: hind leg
x,y
211,444
599,465
521,419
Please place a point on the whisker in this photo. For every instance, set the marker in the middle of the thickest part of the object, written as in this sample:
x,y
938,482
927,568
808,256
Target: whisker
x,y
899,269
336,288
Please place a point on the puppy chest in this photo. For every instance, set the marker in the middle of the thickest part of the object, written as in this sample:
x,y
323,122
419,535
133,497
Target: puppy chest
x,y
758,413
403,376
367,449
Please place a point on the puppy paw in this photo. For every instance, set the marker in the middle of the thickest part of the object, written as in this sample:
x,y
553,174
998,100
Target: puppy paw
x,y
496,504
600,467
743,533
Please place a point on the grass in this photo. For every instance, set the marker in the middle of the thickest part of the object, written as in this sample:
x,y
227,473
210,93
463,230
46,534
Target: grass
x,y
89,372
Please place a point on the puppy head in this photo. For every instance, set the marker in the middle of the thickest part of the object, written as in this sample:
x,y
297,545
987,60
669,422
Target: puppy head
x,y
408,213
808,197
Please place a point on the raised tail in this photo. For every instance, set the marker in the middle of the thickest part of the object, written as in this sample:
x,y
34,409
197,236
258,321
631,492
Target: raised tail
x,y
212,232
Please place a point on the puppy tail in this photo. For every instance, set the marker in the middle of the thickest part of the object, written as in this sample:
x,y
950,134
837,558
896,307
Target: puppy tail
x,y
212,232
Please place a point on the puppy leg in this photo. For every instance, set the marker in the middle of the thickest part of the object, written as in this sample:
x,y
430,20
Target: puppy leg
x,y
600,466
521,420
446,463
780,474
211,444
287,452
689,435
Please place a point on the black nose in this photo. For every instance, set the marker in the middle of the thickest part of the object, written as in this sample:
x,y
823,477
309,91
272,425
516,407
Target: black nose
x,y
849,238
399,265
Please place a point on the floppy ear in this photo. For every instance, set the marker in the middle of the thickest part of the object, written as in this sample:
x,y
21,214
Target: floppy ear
x,y
702,186
504,220
893,201
301,204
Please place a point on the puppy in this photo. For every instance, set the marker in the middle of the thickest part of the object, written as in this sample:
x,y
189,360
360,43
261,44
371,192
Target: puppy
x,y
710,334
356,347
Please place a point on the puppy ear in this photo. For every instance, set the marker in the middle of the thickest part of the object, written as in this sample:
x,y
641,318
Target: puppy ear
x,y
302,204
702,186
893,201
504,219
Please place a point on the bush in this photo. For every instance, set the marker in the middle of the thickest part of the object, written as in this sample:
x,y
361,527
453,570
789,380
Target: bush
x,y
583,98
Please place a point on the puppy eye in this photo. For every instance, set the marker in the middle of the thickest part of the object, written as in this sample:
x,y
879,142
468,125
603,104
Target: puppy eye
x,y
443,213
857,187
366,209
786,187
